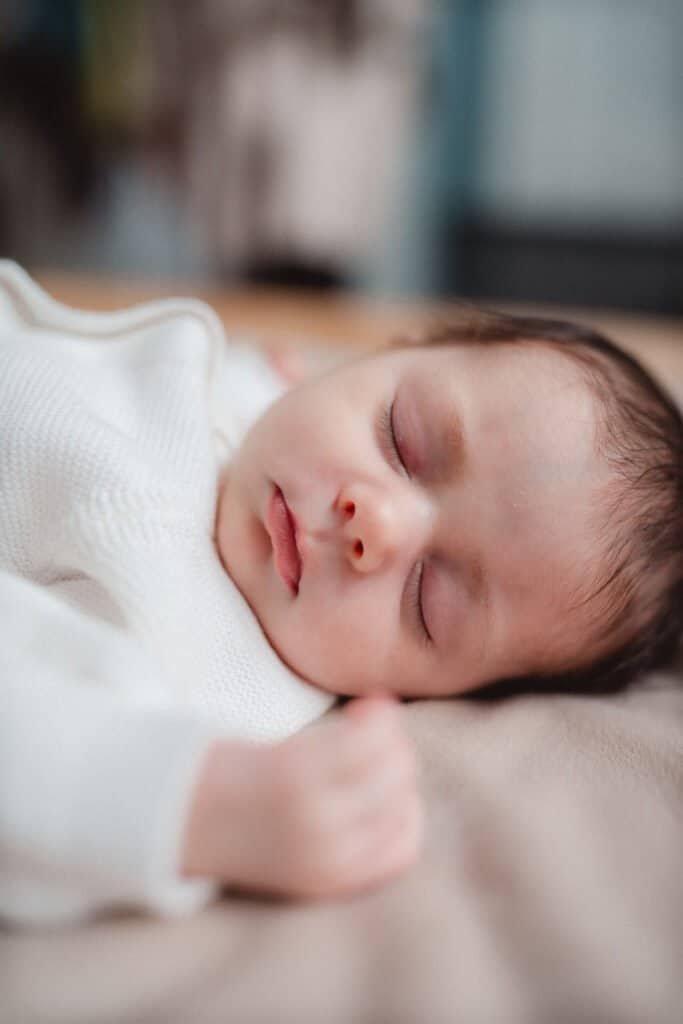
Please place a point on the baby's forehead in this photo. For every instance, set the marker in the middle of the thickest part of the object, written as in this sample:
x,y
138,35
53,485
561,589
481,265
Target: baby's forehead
x,y
529,373
523,355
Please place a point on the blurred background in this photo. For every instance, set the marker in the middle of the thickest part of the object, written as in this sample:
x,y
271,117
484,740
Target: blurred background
x,y
525,150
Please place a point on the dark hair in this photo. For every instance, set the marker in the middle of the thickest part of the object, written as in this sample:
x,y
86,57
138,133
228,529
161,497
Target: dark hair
x,y
641,438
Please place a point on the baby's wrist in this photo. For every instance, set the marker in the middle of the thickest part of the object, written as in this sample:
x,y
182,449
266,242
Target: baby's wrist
x,y
213,821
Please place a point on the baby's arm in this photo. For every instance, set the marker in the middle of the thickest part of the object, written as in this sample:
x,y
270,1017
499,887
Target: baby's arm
x,y
330,811
96,768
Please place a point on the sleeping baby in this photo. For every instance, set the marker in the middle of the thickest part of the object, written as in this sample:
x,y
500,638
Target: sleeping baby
x,y
196,561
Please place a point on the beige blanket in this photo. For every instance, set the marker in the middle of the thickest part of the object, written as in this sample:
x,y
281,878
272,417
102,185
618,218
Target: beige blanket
x,y
551,886
550,891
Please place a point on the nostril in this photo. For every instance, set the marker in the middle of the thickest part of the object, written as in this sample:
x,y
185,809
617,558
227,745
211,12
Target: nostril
x,y
358,549
349,509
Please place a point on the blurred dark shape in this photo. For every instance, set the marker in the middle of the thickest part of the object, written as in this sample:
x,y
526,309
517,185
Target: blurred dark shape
x,y
48,156
627,270
292,274
29,74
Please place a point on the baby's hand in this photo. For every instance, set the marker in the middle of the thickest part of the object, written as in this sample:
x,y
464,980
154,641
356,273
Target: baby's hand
x,y
331,811
348,813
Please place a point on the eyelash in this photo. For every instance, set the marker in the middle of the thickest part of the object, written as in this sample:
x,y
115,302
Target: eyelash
x,y
414,588
389,435
415,599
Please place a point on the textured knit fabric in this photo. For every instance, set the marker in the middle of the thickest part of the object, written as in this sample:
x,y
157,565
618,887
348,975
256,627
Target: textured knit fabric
x,y
125,648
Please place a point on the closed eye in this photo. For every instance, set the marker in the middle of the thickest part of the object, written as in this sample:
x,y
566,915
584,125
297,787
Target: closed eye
x,y
388,438
413,594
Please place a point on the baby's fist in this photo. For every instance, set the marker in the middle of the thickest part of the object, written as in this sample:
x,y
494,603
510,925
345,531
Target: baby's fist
x,y
351,809
328,812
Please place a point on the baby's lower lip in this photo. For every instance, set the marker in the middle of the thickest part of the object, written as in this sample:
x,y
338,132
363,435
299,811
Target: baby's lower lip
x,y
282,531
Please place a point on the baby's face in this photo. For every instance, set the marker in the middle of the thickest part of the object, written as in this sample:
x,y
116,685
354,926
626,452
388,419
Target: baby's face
x,y
453,555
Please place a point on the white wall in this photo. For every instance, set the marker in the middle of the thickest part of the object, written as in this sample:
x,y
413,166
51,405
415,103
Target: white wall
x,y
582,113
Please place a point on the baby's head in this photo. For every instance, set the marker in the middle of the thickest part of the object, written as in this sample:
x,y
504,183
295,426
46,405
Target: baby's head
x,y
500,502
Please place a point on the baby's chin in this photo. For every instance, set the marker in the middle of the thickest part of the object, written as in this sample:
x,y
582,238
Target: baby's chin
x,y
337,678
301,666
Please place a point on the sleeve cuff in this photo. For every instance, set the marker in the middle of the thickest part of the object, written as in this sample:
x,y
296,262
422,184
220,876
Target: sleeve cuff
x,y
97,813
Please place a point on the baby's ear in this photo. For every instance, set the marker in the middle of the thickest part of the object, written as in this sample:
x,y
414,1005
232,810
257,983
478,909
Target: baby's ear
x,y
287,363
297,363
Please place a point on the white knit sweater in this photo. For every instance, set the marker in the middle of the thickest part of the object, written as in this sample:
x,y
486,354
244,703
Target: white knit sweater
x,y
125,648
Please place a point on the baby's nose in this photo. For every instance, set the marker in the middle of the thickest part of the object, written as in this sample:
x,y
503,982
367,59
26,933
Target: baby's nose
x,y
377,524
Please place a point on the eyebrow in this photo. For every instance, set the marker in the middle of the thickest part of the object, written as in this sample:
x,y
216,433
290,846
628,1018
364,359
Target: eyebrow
x,y
479,584
450,436
456,438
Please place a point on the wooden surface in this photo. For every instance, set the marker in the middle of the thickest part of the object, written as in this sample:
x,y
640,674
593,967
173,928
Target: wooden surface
x,y
281,316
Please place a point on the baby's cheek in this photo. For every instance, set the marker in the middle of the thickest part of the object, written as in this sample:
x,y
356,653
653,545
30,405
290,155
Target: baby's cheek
x,y
340,650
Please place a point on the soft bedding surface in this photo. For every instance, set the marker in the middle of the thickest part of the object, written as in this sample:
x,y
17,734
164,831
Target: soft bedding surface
x,y
551,890
551,886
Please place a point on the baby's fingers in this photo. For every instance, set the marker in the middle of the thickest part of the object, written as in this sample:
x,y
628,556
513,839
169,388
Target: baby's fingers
x,y
361,709
380,851
362,739
344,753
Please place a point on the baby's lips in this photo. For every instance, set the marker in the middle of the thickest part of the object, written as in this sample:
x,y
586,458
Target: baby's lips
x,y
281,527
